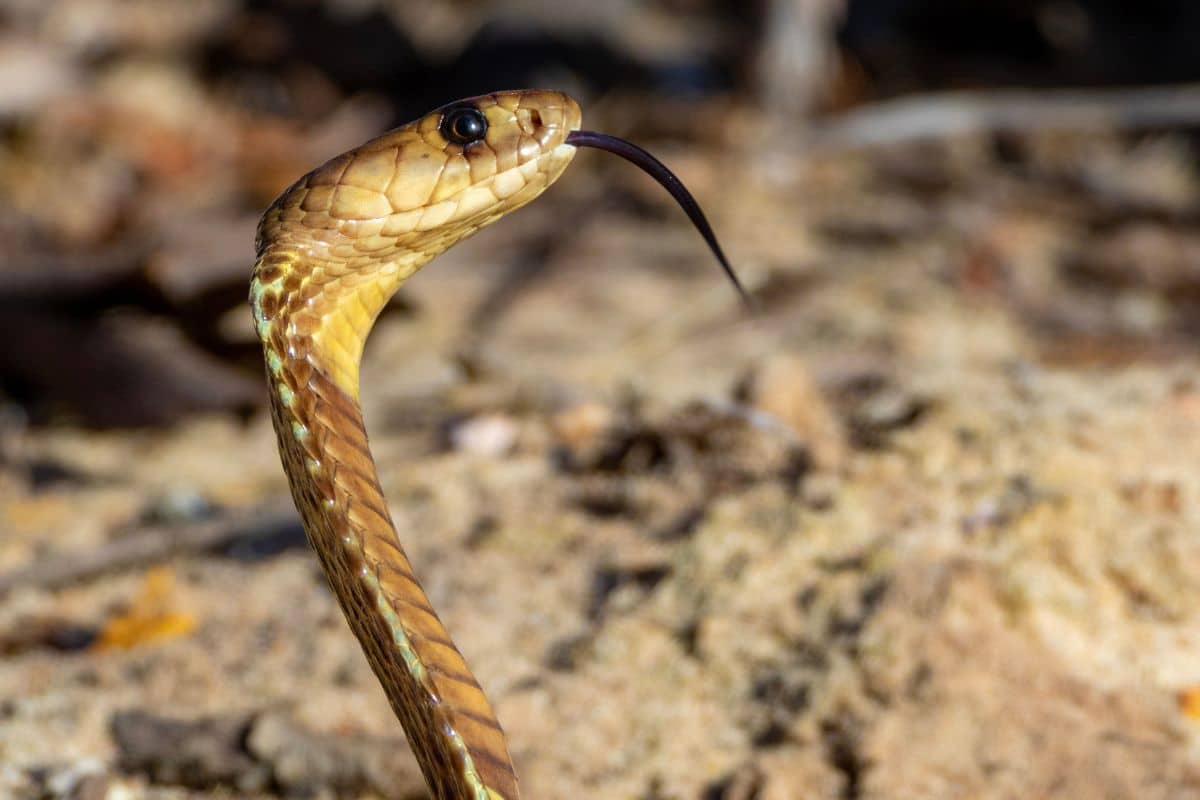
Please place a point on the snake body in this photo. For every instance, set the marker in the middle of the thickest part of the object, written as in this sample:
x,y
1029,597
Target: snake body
x,y
331,250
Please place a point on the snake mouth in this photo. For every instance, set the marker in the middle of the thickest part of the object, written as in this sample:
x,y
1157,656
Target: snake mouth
x,y
669,181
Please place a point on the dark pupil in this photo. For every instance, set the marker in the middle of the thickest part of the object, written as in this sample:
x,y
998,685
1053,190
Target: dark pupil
x,y
464,125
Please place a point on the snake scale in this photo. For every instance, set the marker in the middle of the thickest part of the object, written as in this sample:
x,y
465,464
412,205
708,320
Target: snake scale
x,y
331,250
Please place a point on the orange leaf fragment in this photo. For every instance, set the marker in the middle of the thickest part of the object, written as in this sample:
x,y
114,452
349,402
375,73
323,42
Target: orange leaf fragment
x,y
149,617
1189,702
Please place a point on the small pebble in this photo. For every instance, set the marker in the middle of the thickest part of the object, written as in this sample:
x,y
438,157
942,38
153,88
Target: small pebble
x,y
490,435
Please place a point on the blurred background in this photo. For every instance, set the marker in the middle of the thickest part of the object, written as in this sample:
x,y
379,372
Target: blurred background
x,y
926,525
142,139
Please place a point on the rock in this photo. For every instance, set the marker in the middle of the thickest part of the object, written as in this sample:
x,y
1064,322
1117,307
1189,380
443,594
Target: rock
x,y
783,387
199,754
491,435
307,763
881,409
31,74
580,429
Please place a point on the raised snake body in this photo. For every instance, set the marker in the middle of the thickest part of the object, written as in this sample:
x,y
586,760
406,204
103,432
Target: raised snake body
x,y
331,251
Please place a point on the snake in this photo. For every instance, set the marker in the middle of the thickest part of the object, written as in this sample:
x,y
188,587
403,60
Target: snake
x,y
330,252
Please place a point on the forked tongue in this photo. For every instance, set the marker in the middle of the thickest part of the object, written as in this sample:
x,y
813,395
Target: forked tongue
x,y
658,170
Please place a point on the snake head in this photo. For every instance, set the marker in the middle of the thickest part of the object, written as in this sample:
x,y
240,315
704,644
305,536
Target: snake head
x,y
416,190
482,157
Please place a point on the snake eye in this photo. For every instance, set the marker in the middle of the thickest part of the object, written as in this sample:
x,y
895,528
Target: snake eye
x,y
463,125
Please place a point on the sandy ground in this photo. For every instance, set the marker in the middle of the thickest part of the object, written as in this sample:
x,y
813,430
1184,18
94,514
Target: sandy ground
x,y
925,526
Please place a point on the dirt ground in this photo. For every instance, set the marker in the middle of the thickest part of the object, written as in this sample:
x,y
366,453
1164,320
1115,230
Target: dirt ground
x,y
926,525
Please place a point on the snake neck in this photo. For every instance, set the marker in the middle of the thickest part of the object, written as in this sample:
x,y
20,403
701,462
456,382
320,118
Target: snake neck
x,y
325,307
313,322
